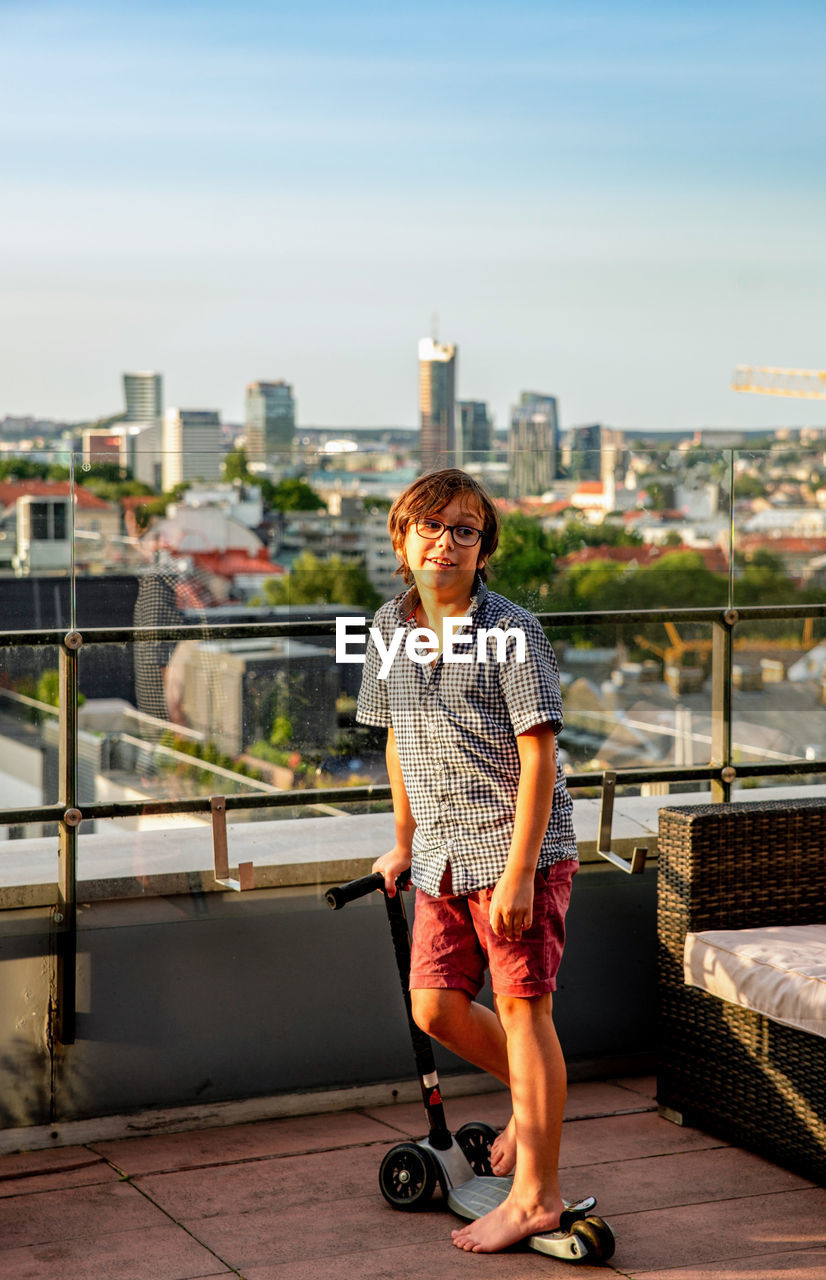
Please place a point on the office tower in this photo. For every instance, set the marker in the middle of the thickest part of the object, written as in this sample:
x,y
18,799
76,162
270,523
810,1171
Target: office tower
x,y
437,402
144,397
270,420
476,431
191,446
532,445
582,452
144,407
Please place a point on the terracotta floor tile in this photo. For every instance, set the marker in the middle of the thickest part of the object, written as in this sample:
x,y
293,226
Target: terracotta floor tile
x,y
752,1227
25,1163
690,1177
161,1253
358,1223
291,1182
646,1085
805,1265
240,1142
629,1137
439,1260
595,1098
79,1213
50,1174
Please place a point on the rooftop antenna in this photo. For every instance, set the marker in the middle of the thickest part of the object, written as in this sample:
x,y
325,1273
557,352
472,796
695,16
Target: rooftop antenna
x,y
434,326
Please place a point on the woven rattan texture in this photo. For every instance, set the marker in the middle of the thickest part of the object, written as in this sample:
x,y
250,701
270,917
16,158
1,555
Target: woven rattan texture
x,y
728,1070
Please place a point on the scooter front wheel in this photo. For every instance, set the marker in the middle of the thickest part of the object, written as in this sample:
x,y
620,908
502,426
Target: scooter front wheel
x,y
408,1176
597,1237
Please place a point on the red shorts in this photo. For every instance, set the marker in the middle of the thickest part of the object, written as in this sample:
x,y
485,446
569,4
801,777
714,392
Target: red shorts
x,y
453,942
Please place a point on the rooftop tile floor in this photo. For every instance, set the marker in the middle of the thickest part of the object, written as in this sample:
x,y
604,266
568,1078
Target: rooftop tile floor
x,y
297,1199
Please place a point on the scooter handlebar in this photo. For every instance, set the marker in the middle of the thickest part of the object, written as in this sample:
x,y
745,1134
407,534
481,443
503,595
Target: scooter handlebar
x,y
340,895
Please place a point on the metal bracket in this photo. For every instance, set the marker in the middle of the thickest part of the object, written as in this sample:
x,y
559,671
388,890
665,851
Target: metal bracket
x,y
606,812
220,850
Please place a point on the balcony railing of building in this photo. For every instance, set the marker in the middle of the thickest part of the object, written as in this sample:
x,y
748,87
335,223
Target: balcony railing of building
x,y
721,771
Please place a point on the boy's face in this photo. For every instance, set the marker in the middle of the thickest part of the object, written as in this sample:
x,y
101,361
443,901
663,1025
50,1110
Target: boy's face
x,y
437,557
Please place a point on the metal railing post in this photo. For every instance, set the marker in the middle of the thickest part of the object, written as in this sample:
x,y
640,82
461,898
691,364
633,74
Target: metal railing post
x,y
65,911
722,662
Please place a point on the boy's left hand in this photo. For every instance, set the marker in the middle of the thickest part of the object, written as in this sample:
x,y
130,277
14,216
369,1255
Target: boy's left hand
x,y
511,906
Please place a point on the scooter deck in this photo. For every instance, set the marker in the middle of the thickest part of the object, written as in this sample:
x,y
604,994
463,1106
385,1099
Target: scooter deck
x,y
479,1195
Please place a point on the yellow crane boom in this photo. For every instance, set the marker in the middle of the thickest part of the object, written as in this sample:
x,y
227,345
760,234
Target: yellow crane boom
x,y
767,380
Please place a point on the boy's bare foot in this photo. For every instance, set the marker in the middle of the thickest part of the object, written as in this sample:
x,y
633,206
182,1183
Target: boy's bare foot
x,y
503,1151
505,1225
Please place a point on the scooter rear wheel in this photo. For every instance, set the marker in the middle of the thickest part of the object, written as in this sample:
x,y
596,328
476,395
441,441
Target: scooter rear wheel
x,y
407,1177
475,1140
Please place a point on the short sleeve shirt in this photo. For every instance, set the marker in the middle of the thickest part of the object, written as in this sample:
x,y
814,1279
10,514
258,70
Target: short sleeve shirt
x,y
456,725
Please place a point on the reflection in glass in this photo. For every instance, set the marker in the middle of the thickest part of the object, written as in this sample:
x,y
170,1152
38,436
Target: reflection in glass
x,y
29,732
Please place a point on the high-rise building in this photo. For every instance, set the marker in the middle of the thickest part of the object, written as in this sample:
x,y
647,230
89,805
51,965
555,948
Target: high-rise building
x,y
144,397
144,408
437,402
582,452
191,446
533,442
476,431
270,420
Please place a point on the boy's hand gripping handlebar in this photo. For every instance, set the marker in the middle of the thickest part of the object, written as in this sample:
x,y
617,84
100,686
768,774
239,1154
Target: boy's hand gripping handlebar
x,y
340,895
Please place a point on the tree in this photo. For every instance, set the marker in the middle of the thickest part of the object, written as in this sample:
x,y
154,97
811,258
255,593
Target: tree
x,y
294,494
314,581
235,466
523,564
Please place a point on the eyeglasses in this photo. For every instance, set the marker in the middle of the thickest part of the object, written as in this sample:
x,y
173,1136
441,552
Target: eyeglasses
x,y
464,535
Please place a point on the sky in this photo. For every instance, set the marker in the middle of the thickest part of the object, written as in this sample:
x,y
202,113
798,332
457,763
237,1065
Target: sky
x,y
615,203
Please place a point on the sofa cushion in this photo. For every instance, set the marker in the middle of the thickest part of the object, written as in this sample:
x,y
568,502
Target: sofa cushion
x,y
778,972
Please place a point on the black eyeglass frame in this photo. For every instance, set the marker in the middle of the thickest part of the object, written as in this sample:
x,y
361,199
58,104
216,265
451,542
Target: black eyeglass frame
x,y
451,529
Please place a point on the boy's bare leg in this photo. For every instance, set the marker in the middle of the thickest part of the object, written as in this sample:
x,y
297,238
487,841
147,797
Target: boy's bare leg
x,y
464,1026
475,1033
538,1088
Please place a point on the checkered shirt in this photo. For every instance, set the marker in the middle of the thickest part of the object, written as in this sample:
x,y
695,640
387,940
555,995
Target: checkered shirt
x,y
456,726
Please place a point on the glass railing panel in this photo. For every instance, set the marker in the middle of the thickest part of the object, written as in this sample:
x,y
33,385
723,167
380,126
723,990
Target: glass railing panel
x,y
635,697
779,698
29,736
780,523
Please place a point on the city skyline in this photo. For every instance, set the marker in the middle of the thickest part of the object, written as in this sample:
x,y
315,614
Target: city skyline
x,y
611,202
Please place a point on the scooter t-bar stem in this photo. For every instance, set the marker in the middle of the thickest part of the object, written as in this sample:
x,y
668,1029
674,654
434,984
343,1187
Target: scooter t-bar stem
x,y
340,895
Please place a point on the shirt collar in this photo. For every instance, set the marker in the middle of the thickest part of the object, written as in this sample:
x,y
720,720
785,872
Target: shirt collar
x,y
407,602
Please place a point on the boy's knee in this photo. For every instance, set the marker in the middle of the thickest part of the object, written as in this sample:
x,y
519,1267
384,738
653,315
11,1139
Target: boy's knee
x,y
435,1010
516,1011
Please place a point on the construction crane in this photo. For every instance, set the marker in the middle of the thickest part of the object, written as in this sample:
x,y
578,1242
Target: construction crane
x,y
767,380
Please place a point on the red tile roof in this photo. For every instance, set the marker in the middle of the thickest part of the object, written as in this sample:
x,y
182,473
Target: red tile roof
x,y
11,490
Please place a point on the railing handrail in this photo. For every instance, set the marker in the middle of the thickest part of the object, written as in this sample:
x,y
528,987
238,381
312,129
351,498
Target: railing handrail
x,y
326,626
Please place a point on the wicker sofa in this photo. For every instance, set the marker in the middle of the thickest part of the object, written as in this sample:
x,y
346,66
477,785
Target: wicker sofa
x,y
724,1068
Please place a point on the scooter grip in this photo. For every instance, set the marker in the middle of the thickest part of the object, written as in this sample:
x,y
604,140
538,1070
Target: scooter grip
x,y
340,895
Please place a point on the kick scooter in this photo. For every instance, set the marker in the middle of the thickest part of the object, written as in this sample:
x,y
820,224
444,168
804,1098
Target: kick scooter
x,y
459,1164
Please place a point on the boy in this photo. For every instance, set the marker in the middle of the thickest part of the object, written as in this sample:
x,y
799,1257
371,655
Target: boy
x,y
483,822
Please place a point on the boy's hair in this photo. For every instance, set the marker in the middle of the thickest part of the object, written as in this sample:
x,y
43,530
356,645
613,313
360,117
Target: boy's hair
x,y
427,496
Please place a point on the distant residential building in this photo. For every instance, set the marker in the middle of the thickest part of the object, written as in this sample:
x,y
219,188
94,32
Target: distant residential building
x,y
107,446
191,446
349,530
270,420
437,403
42,528
533,443
476,431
